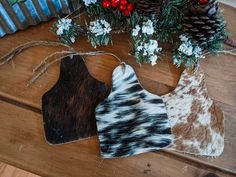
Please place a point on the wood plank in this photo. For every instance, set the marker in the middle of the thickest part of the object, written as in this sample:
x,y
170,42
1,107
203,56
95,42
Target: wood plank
x,y
25,146
220,70
10,171
221,86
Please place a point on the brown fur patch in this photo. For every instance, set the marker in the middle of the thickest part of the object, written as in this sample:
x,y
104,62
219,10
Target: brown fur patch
x,y
197,120
69,107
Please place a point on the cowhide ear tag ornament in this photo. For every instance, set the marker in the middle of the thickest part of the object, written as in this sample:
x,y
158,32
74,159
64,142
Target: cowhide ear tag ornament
x,y
69,107
131,120
197,123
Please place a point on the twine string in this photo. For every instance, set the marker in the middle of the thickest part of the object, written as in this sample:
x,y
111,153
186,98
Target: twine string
x,y
76,10
15,51
92,53
47,63
45,68
226,52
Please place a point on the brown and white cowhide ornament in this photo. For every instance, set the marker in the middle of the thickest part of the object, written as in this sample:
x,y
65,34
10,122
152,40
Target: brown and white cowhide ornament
x,y
197,123
69,107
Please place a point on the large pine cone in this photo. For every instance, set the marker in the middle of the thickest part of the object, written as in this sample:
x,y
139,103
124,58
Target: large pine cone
x,y
201,23
149,7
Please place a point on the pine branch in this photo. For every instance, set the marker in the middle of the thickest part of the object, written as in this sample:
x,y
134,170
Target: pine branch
x,y
170,19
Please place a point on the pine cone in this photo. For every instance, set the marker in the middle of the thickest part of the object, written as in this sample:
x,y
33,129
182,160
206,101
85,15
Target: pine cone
x,y
201,22
149,7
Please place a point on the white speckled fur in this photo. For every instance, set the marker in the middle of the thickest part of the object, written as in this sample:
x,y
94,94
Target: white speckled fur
x,y
197,124
131,120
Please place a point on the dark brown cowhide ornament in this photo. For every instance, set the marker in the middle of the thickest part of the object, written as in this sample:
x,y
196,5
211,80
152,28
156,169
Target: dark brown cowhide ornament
x,y
69,107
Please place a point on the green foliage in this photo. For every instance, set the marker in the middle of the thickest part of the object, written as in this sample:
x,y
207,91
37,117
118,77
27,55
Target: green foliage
x,y
135,19
142,41
188,61
99,40
99,32
115,17
214,45
187,53
170,19
169,22
68,36
12,2
167,26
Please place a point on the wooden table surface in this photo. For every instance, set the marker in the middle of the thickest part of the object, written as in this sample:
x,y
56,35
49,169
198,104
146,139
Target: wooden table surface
x,y
22,141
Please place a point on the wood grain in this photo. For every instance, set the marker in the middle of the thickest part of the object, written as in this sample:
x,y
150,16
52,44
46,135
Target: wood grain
x,y
25,146
221,81
10,171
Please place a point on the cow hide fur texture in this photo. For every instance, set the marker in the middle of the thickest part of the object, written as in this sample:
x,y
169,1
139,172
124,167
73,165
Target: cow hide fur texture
x,y
197,123
131,120
69,107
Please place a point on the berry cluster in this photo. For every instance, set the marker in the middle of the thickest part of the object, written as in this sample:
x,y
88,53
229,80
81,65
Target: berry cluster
x,y
123,5
203,2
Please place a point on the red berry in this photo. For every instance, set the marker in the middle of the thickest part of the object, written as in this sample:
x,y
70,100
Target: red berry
x,y
115,3
203,2
130,7
122,7
127,13
123,2
106,3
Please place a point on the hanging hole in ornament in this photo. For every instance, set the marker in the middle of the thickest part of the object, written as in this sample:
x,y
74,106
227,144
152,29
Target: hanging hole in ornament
x,y
123,64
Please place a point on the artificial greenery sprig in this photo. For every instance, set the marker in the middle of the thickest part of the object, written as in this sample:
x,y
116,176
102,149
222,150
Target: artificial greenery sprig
x,y
144,42
99,32
67,31
146,31
170,19
187,53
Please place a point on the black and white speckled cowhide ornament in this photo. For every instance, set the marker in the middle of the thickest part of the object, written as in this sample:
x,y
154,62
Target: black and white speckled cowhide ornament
x,y
131,120
69,107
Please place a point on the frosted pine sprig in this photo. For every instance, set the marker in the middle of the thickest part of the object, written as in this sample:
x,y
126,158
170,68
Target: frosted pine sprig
x,y
148,52
99,32
66,30
188,53
145,44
